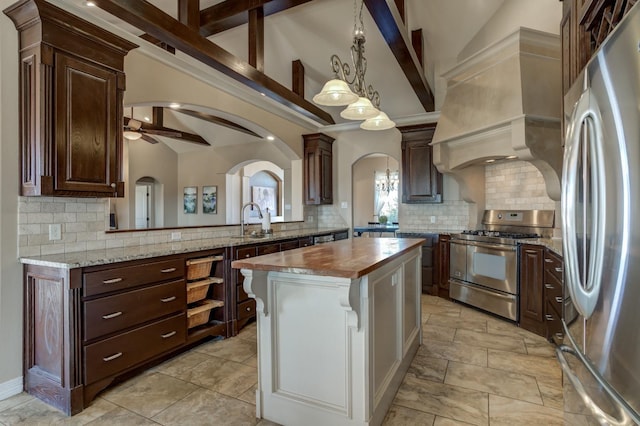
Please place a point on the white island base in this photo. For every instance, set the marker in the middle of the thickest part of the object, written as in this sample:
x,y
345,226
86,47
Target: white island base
x,y
334,350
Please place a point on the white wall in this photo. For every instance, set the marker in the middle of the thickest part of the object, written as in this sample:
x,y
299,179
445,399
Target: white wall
x,y
10,269
542,15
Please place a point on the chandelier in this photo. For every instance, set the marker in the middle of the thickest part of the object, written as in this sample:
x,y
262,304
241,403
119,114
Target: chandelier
x,y
388,182
362,100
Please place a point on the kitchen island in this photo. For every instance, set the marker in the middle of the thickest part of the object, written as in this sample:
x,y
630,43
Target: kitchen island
x,y
338,326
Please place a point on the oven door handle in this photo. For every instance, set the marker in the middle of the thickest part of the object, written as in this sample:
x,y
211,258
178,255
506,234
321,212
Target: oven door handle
x,y
501,247
479,289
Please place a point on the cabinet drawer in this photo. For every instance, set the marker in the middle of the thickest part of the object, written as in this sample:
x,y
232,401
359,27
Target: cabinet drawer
x,y
553,264
113,313
118,353
271,248
553,289
241,295
243,253
124,277
289,245
553,320
246,309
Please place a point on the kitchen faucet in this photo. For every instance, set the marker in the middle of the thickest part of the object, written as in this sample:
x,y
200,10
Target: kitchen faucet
x,y
242,215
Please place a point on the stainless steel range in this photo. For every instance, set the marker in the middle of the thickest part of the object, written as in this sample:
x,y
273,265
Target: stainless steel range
x,y
484,263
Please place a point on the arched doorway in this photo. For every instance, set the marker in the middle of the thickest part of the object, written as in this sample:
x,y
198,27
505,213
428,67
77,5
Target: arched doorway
x,y
375,189
145,202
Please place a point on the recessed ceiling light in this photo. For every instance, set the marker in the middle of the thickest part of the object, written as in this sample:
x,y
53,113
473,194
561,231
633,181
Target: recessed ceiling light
x,y
491,160
511,157
147,119
270,138
89,3
174,105
263,94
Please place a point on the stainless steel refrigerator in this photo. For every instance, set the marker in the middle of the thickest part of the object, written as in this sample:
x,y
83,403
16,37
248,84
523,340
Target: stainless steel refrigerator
x,y
601,235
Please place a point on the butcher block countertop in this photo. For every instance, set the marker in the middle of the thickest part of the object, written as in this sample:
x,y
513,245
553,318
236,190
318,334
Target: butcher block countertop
x,y
351,258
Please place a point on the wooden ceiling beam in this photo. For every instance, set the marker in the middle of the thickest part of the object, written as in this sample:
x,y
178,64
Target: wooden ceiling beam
x,y
392,29
256,38
189,13
153,129
165,28
233,13
216,120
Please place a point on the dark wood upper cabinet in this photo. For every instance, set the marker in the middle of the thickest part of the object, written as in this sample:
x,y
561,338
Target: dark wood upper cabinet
x,y
421,180
71,113
318,169
584,26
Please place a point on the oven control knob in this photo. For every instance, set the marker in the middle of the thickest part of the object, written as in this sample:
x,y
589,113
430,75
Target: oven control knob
x,y
499,215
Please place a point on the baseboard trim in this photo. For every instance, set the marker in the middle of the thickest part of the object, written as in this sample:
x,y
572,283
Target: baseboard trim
x,y
11,387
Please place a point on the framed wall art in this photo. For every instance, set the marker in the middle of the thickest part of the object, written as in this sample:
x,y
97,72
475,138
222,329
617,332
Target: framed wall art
x,y
210,199
190,199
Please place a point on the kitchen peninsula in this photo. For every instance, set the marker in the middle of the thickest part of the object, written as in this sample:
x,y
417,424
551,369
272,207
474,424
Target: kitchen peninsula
x,y
338,326
96,316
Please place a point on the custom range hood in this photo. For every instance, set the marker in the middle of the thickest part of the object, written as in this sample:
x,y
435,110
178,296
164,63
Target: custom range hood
x,y
504,101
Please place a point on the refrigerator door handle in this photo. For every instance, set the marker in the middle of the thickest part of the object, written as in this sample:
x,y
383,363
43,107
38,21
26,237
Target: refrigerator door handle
x,y
602,417
584,294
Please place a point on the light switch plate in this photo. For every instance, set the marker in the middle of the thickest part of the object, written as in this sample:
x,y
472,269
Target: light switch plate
x,y
55,232
176,236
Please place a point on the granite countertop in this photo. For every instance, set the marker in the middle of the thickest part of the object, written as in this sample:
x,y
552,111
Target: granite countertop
x,y
122,254
554,244
351,258
428,231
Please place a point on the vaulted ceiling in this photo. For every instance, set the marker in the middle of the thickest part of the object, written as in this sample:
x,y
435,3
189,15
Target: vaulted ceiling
x,y
308,31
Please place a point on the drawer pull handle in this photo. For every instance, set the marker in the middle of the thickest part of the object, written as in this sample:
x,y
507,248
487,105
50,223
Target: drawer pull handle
x,y
168,299
112,357
548,317
547,260
166,271
248,309
113,315
248,255
171,334
559,299
549,286
560,335
112,281
558,269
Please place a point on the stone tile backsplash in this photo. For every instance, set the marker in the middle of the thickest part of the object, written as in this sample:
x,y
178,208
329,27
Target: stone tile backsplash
x,y
516,185
84,220
451,215
509,185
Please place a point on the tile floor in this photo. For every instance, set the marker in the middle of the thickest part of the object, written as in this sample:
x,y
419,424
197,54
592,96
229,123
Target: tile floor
x,y
471,369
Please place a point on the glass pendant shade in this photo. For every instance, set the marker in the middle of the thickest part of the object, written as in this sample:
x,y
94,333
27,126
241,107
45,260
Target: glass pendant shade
x,y
379,122
360,110
335,93
132,136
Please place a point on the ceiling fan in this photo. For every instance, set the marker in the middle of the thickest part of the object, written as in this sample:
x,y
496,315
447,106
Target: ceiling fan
x,y
133,131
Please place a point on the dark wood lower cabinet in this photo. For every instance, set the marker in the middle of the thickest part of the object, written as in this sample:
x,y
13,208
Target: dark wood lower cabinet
x,y
554,296
541,291
442,268
86,327
435,262
532,289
